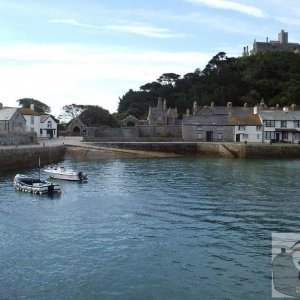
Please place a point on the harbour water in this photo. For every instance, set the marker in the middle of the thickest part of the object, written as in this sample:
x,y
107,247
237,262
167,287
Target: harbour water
x,y
168,228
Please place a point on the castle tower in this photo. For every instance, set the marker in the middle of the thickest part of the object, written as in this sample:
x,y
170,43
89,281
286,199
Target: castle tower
x,y
283,37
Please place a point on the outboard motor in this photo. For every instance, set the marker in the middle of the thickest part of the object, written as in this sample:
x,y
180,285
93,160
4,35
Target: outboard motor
x,y
51,189
81,175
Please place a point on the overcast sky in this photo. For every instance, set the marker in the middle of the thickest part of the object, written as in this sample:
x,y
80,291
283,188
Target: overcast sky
x,y
93,51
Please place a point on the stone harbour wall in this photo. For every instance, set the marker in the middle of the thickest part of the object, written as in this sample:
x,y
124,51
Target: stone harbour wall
x,y
214,149
18,138
18,158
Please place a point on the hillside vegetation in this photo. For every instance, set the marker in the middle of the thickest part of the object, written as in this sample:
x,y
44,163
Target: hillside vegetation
x,y
273,76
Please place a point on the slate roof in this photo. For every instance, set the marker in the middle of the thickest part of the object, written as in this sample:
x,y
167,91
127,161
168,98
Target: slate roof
x,y
45,117
7,113
280,115
223,120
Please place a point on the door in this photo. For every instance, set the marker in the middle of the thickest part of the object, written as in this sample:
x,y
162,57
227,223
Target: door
x,y
277,136
238,137
209,136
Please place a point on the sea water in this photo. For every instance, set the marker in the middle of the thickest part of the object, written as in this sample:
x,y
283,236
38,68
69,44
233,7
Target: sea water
x,y
140,228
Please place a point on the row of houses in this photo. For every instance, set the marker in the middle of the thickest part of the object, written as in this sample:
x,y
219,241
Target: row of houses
x,y
242,124
13,119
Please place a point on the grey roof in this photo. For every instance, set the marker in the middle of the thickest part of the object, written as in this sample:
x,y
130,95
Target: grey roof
x,y
45,117
223,120
7,113
280,115
224,110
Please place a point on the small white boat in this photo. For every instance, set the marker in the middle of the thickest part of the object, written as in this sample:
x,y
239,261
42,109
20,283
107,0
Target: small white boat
x,y
60,172
35,185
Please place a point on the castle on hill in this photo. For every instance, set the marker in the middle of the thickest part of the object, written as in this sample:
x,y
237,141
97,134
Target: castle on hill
x,y
282,44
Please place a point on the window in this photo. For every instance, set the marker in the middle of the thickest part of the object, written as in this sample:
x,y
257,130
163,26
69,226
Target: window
x,y
220,135
285,136
297,124
242,127
270,123
41,131
258,128
269,135
49,124
245,136
283,124
258,136
199,136
199,127
32,119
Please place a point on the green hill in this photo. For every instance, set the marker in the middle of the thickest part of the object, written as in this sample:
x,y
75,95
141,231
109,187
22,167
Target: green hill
x,y
274,76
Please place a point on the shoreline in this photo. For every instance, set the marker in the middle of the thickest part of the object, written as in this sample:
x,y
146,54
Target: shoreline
x,y
52,151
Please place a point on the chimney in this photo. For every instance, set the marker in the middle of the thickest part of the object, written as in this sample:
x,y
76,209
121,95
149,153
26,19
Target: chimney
x,y
285,109
195,108
245,105
1,105
229,104
293,106
212,104
255,110
32,106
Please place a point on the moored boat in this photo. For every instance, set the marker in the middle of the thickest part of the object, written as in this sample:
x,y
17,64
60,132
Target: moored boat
x,y
60,172
35,185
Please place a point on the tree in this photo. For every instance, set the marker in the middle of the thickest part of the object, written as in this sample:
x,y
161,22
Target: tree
x,y
168,79
71,111
39,106
94,115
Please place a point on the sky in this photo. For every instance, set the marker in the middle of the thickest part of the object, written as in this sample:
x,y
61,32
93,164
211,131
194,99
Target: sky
x,y
92,52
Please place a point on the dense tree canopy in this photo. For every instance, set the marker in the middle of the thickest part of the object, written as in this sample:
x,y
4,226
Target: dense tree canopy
x,y
94,115
274,76
39,106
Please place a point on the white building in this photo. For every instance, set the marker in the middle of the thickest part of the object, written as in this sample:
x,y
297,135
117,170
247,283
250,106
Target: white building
x,y
45,126
281,126
33,120
48,127
248,133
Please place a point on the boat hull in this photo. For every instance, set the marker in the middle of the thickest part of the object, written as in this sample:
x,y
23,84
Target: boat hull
x,y
27,184
65,174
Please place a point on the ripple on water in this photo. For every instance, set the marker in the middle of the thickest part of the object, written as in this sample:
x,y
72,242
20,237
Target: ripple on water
x,y
149,228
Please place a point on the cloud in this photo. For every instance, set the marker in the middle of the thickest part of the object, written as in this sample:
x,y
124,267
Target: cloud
x,y
145,30
230,5
72,22
139,29
84,74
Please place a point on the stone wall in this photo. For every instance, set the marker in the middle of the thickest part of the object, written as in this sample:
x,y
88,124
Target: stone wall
x,y
226,150
18,138
134,133
18,158
272,151
163,131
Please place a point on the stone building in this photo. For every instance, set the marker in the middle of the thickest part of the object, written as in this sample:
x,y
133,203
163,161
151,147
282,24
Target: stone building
x,y
222,124
282,44
76,127
11,120
160,115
